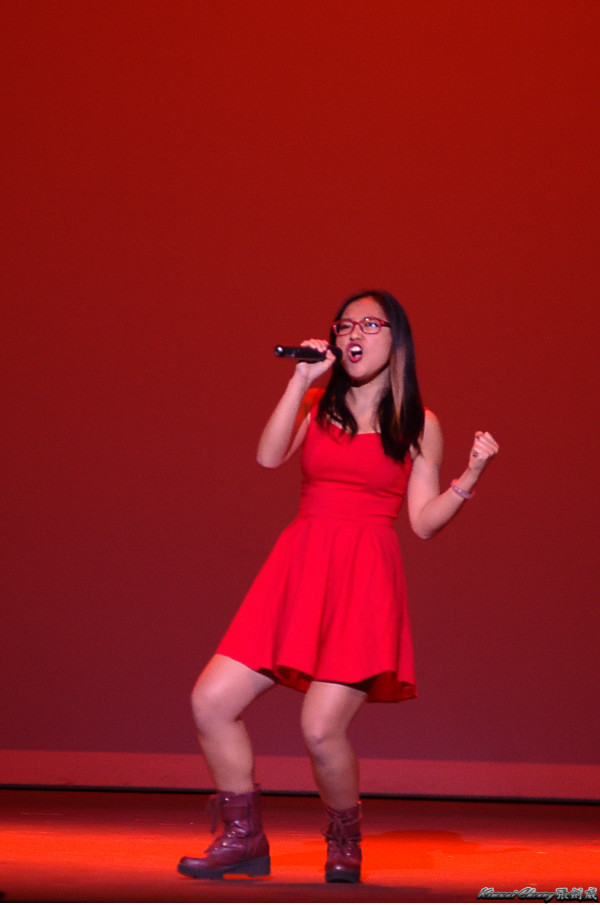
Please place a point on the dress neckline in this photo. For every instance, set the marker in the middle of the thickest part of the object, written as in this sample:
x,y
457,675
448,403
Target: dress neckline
x,y
357,434
347,433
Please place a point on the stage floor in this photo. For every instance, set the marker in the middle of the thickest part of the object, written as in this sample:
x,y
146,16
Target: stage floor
x,y
92,846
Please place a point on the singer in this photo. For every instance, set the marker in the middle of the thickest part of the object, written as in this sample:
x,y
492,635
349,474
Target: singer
x,y
327,614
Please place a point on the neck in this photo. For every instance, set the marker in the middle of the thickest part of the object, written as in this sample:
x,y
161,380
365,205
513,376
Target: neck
x,y
366,396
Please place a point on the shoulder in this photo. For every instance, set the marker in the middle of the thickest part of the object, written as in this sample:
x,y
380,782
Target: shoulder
x,y
310,400
312,397
432,428
431,440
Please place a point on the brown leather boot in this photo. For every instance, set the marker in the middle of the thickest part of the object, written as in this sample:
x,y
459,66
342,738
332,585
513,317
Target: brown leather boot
x,y
241,849
343,846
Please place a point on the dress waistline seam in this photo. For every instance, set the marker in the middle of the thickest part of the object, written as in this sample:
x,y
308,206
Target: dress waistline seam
x,y
362,518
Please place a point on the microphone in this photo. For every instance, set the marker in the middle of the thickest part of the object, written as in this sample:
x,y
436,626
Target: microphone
x,y
306,353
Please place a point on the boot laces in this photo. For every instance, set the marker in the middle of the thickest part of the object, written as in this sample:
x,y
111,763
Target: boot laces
x,y
338,838
231,830
336,832
212,808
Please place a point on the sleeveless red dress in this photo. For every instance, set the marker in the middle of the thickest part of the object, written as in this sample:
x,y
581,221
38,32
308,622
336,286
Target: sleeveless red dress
x,y
330,601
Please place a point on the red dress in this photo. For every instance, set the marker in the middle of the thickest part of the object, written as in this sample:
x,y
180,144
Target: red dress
x,y
330,601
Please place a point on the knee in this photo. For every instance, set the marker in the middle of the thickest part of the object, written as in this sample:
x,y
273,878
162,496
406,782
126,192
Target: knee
x,y
319,734
206,707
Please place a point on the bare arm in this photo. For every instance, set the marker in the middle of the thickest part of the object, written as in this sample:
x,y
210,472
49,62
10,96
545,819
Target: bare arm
x,y
428,509
286,428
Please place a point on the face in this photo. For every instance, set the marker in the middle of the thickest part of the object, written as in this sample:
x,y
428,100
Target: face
x,y
365,355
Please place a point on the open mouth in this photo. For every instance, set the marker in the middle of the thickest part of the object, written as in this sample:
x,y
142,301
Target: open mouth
x,y
355,352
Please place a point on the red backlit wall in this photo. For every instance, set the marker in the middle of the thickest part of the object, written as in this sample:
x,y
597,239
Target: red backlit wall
x,y
188,184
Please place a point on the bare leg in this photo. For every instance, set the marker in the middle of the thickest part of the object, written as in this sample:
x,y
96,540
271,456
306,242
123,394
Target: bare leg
x,y
223,691
327,712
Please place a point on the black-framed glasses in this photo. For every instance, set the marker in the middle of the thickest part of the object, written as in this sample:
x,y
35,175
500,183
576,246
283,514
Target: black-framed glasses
x,y
366,324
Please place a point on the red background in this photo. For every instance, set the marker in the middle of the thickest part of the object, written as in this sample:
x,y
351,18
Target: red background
x,y
188,184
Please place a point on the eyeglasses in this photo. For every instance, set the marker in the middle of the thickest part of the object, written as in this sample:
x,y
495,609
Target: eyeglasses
x,y
367,325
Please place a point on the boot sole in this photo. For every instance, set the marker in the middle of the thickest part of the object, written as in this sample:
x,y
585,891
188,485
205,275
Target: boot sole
x,y
255,867
342,876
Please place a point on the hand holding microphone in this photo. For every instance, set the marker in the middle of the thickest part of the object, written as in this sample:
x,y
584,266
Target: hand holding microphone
x,y
306,353
314,357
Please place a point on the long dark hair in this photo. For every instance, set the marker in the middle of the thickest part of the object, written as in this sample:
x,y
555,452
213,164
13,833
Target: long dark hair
x,y
400,414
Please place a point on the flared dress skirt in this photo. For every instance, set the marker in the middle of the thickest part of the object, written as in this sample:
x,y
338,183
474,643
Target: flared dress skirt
x,y
330,602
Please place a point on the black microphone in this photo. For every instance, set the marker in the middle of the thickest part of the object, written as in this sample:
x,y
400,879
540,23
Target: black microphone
x,y
305,353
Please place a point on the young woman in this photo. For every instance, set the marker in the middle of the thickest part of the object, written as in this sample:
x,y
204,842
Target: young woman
x,y
327,614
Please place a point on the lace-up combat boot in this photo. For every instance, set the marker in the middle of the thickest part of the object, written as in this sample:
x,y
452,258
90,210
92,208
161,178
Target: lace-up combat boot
x,y
242,848
343,846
